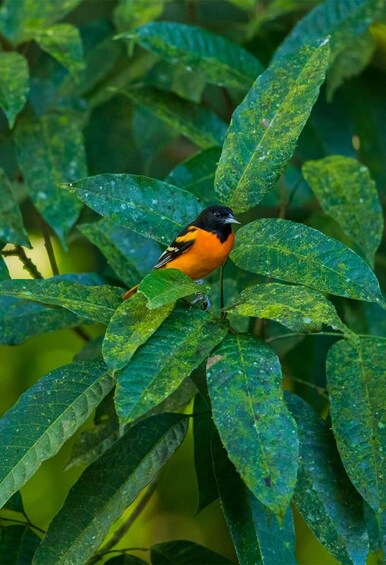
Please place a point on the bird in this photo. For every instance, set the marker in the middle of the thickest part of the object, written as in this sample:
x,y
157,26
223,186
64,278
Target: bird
x,y
201,247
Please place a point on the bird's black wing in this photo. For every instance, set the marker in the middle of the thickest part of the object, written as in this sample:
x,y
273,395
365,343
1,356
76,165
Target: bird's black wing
x,y
182,243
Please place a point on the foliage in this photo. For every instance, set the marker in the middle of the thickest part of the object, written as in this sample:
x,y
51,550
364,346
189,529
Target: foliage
x,y
119,122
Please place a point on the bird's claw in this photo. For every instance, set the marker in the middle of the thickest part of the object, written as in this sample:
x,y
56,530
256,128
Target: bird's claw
x,y
205,300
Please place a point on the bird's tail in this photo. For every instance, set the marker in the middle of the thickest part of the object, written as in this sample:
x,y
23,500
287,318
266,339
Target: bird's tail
x,y
129,293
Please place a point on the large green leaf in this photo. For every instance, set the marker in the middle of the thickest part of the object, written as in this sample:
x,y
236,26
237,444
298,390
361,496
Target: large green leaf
x,y
50,151
257,535
341,21
64,43
45,417
356,384
130,255
107,487
266,125
177,347
348,194
323,495
216,58
244,382
97,303
165,286
12,229
148,206
197,175
298,254
19,19
195,122
17,545
131,325
185,552
14,84
298,308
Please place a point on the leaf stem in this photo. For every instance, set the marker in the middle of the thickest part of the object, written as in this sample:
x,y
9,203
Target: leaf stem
x,y
28,265
296,334
223,314
27,523
48,246
319,389
126,524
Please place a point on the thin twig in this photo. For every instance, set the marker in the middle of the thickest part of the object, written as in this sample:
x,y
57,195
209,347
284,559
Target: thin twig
x,y
126,525
81,333
294,334
222,302
27,524
28,265
48,246
319,389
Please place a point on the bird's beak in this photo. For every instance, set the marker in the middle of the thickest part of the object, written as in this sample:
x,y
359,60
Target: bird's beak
x,y
231,220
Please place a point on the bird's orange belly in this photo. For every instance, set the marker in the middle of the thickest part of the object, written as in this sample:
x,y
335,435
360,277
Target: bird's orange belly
x,y
206,255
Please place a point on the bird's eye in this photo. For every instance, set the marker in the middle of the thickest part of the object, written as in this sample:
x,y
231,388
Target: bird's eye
x,y
217,214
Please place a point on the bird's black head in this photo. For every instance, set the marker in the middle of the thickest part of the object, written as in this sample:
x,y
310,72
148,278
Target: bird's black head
x,y
216,219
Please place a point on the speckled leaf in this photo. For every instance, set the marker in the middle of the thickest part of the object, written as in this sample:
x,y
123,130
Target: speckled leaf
x,y
17,545
185,552
50,151
197,175
20,18
266,125
108,487
215,57
148,206
195,122
162,363
298,308
97,303
356,384
131,325
130,255
348,194
64,43
299,254
12,229
376,527
341,21
14,84
129,14
324,496
244,382
165,286
257,535
45,417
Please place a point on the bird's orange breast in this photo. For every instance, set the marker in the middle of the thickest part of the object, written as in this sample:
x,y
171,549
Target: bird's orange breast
x,y
205,255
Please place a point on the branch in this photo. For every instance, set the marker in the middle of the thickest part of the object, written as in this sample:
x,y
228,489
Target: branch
x,y
28,265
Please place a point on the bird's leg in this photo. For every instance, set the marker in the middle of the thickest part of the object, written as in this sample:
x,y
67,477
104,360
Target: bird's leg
x,y
201,296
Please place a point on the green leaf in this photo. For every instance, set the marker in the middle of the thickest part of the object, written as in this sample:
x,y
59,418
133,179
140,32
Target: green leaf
x,y
45,417
244,382
298,308
130,255
14,84
165,286
129,14
12,229
17,545
15,503
108,487
203,429
298,254
148,206
266,125
350,61
216,58
348,194
197,175
20,18
341,21
131,326
97,303
355,377
175,78
178,346
185,553
256,533
325,498
50,151
64,43
376,527
195,122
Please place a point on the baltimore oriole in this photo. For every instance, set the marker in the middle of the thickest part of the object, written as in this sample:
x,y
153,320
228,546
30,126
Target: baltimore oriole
x,y
201,247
